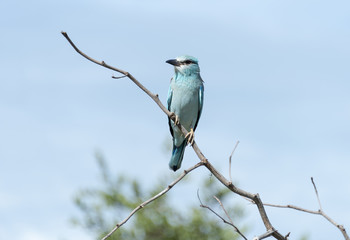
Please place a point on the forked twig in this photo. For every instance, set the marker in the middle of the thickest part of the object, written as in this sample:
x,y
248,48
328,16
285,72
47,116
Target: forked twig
x,y
230,222
319,212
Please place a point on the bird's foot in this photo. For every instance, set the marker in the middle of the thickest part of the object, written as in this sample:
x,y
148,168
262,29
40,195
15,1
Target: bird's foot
x,y
177,119
190,137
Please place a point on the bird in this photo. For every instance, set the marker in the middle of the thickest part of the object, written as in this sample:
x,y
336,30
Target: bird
x,y
185,100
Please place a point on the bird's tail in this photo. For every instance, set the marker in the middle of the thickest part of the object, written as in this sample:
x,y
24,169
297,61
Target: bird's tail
x,y
177,156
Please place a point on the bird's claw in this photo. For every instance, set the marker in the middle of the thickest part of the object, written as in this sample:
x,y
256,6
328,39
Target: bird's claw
x,y
177,119
190,137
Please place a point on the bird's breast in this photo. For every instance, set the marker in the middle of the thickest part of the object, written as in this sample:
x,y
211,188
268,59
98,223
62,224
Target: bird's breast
x,y
185,104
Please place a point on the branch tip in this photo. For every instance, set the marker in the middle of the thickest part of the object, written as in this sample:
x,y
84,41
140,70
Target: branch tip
x,y
118,77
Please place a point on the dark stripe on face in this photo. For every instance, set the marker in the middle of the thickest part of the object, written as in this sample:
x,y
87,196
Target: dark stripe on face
x,y
186,62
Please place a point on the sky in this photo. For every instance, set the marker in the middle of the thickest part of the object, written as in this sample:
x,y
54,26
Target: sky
x,y
276,79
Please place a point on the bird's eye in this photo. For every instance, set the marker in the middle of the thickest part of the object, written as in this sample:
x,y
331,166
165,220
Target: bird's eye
x,y
188,61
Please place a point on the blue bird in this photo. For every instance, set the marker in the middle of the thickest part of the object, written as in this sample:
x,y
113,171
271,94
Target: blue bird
x,y
185,100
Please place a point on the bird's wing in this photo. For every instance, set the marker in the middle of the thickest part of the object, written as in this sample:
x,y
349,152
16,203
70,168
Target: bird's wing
x,y
170,96
200,107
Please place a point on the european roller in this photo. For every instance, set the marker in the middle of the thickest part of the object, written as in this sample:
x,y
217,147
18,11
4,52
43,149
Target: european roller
x,y
185,100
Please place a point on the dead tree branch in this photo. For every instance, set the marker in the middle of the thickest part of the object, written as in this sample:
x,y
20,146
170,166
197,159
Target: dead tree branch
x,y
218,215
126,74
318,212
203,160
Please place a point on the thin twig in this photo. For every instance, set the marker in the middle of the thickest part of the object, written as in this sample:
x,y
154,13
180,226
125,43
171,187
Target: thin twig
x,y
222,206
218,215
319,212
318,198
234,149
119,77
102,63
340,227
143,88
292,207
142,205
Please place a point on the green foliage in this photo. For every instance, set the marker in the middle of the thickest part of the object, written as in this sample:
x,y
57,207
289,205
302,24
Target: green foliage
x,y
104,207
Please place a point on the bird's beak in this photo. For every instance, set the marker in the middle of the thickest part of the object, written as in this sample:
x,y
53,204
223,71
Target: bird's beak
x,y
173,62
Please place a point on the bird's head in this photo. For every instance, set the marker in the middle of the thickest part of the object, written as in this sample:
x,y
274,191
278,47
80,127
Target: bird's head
x,y
185,65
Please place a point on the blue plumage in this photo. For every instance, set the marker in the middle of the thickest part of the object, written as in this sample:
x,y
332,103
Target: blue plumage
x,y
185,100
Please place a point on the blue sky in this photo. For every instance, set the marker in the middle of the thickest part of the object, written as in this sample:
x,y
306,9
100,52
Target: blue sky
x,y
276,78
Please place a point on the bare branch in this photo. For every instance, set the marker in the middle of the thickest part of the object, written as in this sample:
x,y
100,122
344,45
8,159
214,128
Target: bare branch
x,y
340,227
101,63
292,207
142,205
143,88
204,161
253,197
319,212
234,149
223,219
